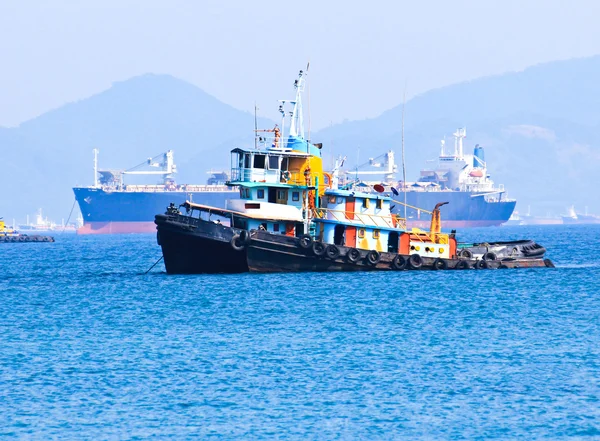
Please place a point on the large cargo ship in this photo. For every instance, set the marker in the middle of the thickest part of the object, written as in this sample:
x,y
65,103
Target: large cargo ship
x,y
460,179
112,206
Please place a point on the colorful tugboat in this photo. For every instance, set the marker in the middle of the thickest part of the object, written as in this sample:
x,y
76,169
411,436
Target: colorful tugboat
x,y
357,232
291,216
11,235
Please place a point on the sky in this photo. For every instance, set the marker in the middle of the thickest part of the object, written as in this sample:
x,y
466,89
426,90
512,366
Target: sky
x,y
363,55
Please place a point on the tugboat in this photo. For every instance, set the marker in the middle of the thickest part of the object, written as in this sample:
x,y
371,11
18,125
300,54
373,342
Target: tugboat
x,y
357,232
291,216
280,183
11,235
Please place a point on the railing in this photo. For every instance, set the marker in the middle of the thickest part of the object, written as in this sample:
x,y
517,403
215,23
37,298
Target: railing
x,y
269,176
132,188
365,219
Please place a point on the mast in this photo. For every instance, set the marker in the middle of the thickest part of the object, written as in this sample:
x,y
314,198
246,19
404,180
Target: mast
x,y
297,123
255,127
95,167
403,159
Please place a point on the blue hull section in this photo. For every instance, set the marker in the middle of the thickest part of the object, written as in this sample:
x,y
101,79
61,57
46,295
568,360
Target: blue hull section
x,y
133,212
463,209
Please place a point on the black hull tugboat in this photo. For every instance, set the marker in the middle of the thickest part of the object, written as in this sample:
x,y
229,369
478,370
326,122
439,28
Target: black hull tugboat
x,y
192,245
280,182
351,240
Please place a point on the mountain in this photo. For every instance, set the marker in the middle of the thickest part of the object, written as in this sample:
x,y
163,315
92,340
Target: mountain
x,y
540,128
133,120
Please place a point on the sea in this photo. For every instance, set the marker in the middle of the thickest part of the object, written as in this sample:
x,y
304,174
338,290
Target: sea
x,y
92,347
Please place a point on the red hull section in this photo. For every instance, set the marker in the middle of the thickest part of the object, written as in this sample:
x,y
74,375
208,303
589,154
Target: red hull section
x,y
117,228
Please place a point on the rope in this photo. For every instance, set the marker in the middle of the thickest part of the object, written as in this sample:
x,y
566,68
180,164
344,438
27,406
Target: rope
x,y
69,218
155,263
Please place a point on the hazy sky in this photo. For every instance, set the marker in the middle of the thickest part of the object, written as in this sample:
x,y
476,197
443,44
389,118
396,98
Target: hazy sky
x,y
361,52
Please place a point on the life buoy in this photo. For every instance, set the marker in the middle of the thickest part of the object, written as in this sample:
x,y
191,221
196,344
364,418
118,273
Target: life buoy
x,y
319,249
305,241
353,255
329,177
440,264
399,262
373,257
463,265
490,256
332,251
236,243
415,261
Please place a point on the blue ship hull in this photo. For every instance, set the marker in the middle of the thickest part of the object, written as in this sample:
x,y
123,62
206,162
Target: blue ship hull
x,y
463,211
106,212
133,212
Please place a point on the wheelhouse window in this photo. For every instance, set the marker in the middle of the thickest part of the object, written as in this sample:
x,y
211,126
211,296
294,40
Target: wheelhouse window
x,y
273,162
260,193
295,196
247,160
259,161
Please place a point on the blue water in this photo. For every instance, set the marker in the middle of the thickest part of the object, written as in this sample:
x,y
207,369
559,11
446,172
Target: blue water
x,y
90,348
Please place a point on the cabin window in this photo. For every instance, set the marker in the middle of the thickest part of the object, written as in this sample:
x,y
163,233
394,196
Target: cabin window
x,y
295,196
379,204
247,192
285,163
260,194
273,162
332,199
263,226
247,160
376,234
242,193
276,228
259,161
240,160
281,196
361,233
365,203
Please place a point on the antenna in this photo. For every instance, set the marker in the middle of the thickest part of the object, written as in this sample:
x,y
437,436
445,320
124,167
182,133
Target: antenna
x,y
255,127
308,98
95,167
403,160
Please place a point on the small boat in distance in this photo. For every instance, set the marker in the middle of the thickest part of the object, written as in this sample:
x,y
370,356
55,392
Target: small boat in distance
x,y
8,234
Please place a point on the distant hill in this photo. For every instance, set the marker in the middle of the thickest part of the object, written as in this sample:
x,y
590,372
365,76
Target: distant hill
x,y
540,128
133,120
